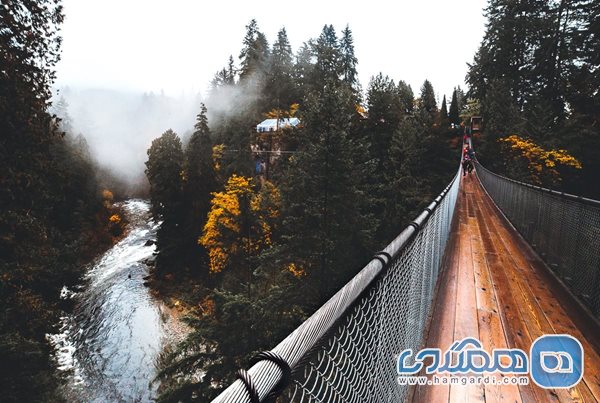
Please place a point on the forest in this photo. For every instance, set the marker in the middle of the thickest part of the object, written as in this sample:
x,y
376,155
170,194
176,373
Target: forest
x,y
535,78
56,212
259,229
264,248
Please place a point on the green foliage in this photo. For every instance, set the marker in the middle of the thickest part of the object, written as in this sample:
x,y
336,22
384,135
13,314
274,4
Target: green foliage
x,y
349,181
427,100
385,113
280,89
407,97
199,182
453,115
255,53
164,170
348,59
52,218
327,68
213,349
326,227
535,75
443,113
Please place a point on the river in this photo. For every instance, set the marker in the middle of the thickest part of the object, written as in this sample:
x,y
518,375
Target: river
x,y
110,341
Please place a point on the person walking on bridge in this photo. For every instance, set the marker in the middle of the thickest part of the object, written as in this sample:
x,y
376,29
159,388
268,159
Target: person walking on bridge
x,y
467,160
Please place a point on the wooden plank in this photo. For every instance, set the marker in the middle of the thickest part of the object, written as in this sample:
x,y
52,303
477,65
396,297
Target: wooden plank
x,y
516,332
466,323
491,333
495,287
542,313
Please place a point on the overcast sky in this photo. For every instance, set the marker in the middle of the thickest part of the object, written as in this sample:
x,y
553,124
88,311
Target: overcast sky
x,y
178,45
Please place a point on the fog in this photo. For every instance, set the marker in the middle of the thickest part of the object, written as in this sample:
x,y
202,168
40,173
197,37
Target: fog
x,y
119,126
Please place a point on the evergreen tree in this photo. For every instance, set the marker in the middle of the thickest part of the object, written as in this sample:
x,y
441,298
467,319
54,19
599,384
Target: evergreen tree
x,y
453,114
249,54
200,180
534,67
427,99
407,97
326,230
327,69
280,86
164,170
51,207
348,59
404,189
254,57
460,98
303,69
384,116
61,110
443,112
225,76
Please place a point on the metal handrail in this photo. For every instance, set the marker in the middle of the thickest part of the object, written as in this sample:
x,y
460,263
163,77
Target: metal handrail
x,y
563,229
266,376
567,196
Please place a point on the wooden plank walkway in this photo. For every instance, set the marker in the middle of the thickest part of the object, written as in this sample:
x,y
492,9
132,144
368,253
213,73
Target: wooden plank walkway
x,y
494,287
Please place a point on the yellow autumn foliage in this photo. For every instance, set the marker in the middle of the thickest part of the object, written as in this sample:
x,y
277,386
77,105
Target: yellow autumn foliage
x,y
115,219
239,203
541,162
217,155
296,271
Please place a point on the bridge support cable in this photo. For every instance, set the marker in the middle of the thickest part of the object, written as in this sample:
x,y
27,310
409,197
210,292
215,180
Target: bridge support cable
x,y
346,351
563,229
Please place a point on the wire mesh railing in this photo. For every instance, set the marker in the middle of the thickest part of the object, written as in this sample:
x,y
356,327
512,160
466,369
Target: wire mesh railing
x,y
347,350
563,229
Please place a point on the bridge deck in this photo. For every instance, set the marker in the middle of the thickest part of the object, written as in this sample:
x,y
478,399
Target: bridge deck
x,y
495,287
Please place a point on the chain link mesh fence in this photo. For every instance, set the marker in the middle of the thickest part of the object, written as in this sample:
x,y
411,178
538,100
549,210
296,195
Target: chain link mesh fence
x,y
347,350
563,229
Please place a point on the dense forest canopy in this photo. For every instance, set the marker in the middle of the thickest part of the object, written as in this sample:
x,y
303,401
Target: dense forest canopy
x,y
536,76
269,245
258,229
54,215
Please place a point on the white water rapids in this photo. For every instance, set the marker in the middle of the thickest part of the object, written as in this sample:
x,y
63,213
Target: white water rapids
x,y
110,341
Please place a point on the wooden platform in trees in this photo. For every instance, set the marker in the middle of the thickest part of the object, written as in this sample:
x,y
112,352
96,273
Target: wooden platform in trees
x,y
495,288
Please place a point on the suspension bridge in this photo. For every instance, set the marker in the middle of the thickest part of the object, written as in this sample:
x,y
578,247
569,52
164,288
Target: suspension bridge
x,y
491,258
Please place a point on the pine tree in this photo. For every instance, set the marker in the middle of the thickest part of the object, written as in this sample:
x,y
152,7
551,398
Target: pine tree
x,y
254,58
453,114
427,99
384,116
61,110
326,229
443,113
51,206
348,59
303,70
200,181
404,187
327,69
249,54
407,97
164,170
280,85
460,98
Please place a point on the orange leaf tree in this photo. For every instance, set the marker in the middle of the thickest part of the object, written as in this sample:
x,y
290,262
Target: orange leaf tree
x,y
541,166
240,223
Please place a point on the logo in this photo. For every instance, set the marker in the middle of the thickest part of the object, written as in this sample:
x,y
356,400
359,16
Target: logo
x,y
556,361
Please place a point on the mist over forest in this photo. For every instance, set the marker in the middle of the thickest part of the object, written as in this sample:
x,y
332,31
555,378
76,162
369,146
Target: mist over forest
x,y
119,126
